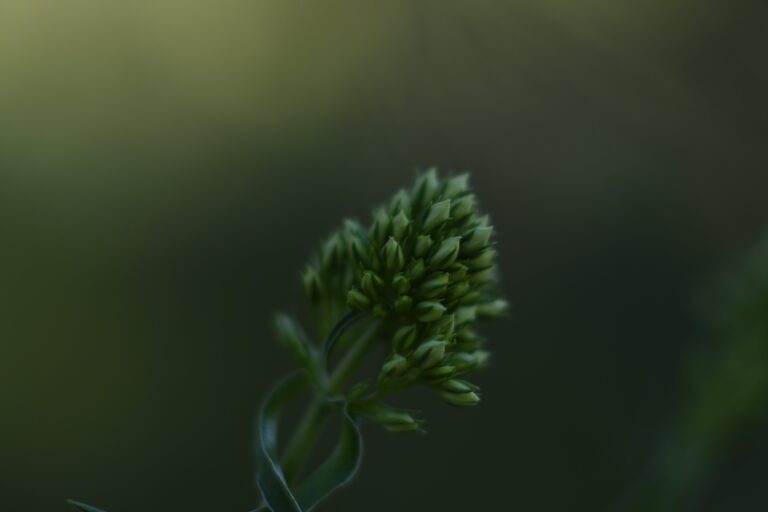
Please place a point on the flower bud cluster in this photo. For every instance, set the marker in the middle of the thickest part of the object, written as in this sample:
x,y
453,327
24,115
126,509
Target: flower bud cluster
x,y
426,268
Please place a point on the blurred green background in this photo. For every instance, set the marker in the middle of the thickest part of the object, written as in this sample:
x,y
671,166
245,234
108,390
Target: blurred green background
x,y
166,166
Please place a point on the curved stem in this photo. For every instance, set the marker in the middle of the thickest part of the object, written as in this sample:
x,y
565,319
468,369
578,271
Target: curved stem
x,y
309,428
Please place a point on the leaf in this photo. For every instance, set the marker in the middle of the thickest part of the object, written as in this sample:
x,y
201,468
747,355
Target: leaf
x,y
340,467
83,507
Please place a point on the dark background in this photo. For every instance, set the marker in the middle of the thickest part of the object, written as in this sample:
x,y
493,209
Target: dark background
x,y
167,166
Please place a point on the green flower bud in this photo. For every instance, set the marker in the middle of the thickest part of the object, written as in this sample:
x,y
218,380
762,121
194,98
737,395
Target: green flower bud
x,y
292,337
476,240
357,391
401,284
371,284
469,361
440,373
467,340
403,304
434,284
466,315
394,420
456,186
446,253
359,250
428,354
401,201
380,311
312,286
429,311
331,253
394,367
458,290
416,270
426,187
393,255
357,299
458,271
437,215
444,328
405,337
459,392
493,309
463,206
380,228
423,245
483,260
399,225
484,277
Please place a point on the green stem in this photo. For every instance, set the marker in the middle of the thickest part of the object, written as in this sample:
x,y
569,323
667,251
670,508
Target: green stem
x,y
305,436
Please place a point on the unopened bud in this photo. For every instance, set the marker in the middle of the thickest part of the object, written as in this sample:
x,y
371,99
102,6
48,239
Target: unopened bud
x,y
429,354
423,245
429,311
438,214
440,373
393,255
466,314
463,206
399,225
311,281
456,186
469,361
357,299
401,284
477,239
416,270
426,186
380,227
405,337
434,284
403,304
492,309
459,392
394,367
446,253
483,260
371,283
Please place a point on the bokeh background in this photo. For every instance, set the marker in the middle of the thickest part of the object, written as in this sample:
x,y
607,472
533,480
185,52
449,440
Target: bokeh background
x,y
166,166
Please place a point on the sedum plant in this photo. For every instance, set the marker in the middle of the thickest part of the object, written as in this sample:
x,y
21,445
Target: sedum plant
x,y
410,288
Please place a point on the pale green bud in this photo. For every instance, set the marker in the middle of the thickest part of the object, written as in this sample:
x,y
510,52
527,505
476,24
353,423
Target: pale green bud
x,y
292,337
394,367
463,206
483,260
465,315
429,311
476,240
458,271
399,225
332,251
403,304
416,270
429,354
446,253
380,311
371,283
467,340
357,391
458,290
486,276
434,284
393,255
426,187
444,327
437,215
469,361
401,201
359,249
423,245
312,286
394,420
405,337
357,299
459,392
380,227
492,309
440,373
401,284
456,186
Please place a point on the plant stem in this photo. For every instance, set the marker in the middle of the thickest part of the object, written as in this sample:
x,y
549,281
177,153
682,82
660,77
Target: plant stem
x,y
309,428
